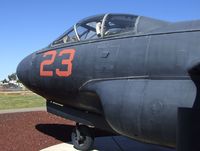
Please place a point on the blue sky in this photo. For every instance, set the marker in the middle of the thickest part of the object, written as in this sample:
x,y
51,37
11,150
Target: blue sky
x,y
29,25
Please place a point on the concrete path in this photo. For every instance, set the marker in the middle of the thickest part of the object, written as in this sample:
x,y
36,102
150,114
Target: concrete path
x,y
115,143
23,110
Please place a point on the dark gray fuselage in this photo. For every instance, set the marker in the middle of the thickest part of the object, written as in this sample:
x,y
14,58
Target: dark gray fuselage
x,y
135,81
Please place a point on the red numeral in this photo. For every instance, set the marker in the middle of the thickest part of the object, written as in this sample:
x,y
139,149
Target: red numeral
x,y
67,62
47,62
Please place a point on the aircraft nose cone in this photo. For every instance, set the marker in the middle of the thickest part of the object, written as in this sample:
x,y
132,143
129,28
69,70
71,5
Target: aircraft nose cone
x,y
24,69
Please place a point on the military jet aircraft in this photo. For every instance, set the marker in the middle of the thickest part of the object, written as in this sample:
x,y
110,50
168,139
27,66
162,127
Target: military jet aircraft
x,y
123,73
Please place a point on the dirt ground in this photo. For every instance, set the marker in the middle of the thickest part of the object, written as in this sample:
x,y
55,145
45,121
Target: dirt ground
x,y
32,131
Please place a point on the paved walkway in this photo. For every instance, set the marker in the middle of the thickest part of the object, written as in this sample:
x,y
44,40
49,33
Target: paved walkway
x,y
23,110
115,143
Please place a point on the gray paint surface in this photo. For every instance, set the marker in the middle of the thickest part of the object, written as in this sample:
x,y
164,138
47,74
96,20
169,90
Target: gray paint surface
x,y
135,81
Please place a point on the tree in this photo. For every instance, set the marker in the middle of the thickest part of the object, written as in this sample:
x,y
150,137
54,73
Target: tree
x,y
12,77
5,81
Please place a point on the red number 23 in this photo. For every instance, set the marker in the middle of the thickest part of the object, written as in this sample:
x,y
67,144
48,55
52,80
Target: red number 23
x,y
67,62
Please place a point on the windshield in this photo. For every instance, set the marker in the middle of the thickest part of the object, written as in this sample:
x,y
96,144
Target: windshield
x,y
69,37
87,31
98,27
83,30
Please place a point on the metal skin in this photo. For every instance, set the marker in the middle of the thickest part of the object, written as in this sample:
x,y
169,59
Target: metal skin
x,y
134,81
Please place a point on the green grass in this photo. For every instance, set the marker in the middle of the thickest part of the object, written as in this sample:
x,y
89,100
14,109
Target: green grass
x,y
18,100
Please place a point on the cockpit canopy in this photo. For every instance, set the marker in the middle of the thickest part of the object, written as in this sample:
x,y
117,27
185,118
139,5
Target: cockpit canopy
x,y
98,27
